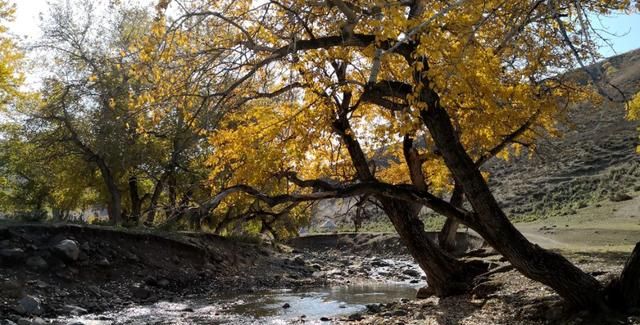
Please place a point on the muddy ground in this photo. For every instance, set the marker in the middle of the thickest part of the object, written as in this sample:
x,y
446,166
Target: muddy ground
x,y
51,270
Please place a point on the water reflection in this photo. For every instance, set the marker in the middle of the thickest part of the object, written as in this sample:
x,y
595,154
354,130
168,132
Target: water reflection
x,y
264,307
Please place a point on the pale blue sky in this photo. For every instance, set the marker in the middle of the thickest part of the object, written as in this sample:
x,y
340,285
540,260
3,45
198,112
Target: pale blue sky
x,y
627,27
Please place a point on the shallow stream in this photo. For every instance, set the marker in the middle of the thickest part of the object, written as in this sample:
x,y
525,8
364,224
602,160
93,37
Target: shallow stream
x,y
313,305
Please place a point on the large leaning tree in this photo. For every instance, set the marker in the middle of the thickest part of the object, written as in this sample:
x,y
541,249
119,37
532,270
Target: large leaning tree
x,y
400,101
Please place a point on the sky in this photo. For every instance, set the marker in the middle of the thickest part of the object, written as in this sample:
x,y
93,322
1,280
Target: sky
x,y
626,29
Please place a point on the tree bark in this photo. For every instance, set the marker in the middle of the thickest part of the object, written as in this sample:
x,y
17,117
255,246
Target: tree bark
x,y
446,275
136,201
624,293
115,200
575,286
448,233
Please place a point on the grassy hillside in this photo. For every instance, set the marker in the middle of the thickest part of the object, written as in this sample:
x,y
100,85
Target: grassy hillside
x,y
594,160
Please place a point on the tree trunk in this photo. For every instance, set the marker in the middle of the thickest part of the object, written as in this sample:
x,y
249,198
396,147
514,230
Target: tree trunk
x,y
136,201
115,206
624,292
449,232
575,286
155,197
446,275
115,200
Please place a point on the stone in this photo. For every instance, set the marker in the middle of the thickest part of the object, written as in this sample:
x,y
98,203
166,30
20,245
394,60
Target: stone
x,y
619,197
85,246
286,305
485,289
411,272
32,321
325,319
29,305
95,290
12,287
379,263
163,283
67,249
140,292
103,261
399,312
374,308
74,310
37,263
425,292
14,254
355,317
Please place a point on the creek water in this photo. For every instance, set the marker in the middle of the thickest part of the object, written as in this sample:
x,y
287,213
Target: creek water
x,y
313,305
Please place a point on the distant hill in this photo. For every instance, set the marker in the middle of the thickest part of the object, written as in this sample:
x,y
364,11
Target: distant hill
x,y
595,159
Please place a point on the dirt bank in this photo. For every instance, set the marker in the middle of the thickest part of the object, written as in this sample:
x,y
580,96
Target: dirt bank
x,y
64,269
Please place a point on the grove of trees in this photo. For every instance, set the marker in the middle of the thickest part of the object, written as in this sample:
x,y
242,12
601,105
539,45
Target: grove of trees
x,y
238,115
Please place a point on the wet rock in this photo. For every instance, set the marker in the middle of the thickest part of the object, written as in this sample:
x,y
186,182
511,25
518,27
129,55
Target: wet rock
x,y
29,305
67,249
325,319
425,292
36,263
286,306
